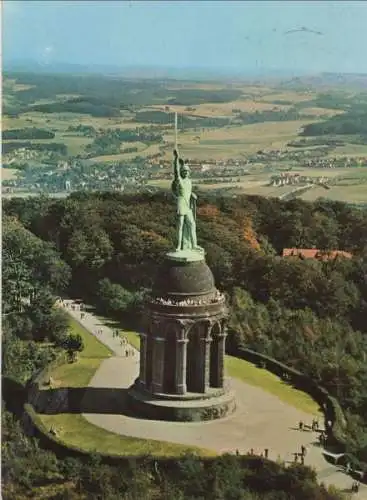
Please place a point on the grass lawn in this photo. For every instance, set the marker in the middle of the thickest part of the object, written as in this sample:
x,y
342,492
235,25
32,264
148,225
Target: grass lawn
x,y
93,347
133,338
251,374
75,430
78,374
248,373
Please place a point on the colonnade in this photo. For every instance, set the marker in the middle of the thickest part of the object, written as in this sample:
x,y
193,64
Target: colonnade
x,y
183,356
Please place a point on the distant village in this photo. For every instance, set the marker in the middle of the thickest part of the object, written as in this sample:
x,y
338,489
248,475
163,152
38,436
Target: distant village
x,y
41,171
284,179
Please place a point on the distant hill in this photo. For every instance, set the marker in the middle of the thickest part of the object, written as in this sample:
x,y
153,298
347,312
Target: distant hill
x,y
188,73
292,79
351,81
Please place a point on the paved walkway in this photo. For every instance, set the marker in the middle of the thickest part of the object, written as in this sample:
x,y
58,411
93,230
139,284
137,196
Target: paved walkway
x,y
260,421
94,325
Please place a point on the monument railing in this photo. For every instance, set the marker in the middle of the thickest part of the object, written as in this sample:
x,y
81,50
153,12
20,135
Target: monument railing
x,y
186,309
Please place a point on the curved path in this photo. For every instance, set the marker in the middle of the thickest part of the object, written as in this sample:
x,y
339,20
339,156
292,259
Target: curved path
x,y
260,421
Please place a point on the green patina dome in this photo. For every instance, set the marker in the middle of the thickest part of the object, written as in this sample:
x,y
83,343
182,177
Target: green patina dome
x,y
175,278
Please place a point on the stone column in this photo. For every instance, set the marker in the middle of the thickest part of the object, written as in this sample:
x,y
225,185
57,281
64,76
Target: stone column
x,y
158,364
143,358
221,353
181,358
205,363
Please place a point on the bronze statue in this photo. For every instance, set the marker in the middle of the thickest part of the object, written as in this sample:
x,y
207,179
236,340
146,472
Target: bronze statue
x,y
186,205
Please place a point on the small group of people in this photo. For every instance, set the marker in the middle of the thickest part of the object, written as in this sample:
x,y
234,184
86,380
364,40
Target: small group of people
x,y
98,332
75,307
297,455
123,341
129,352
70,304
264,454
313,427
355,487
300,455
217,297
322,438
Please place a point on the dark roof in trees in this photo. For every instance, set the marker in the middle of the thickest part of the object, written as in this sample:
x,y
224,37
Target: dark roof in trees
x,y
315,253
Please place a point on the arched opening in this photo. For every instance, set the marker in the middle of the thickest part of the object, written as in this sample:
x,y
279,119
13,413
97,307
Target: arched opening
x,y
169,373
193,379
214,357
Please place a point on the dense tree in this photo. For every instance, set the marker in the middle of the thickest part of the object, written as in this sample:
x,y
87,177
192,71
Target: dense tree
x,y
28,133
73,344
351,122
308,313
27,469
33,274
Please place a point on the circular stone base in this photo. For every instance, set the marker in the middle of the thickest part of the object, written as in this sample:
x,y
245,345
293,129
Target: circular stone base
x,y
187,255
147,405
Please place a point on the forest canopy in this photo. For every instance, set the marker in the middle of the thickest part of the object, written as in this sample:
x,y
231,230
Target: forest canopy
x,y
308,313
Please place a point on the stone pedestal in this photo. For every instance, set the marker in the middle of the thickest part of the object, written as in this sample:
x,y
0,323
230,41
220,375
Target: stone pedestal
x,y
182,353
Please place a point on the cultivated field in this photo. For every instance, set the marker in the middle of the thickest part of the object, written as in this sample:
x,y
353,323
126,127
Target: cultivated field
x,y
216,143
8,174
349,186
353,150
272,95
236,142
225,109
217,121
142,151
349,194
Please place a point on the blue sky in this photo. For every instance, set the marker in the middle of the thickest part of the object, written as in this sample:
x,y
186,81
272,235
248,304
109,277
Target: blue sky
x,y
239,36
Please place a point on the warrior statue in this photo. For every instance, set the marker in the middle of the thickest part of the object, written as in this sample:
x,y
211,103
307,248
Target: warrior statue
x,y
186,205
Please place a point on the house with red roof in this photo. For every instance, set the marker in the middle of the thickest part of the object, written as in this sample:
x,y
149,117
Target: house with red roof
x,y
315,253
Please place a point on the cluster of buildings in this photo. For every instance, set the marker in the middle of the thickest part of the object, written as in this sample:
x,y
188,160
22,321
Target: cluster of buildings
x,y
337,162
21,155
287,178
234,167
78,175
61,175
